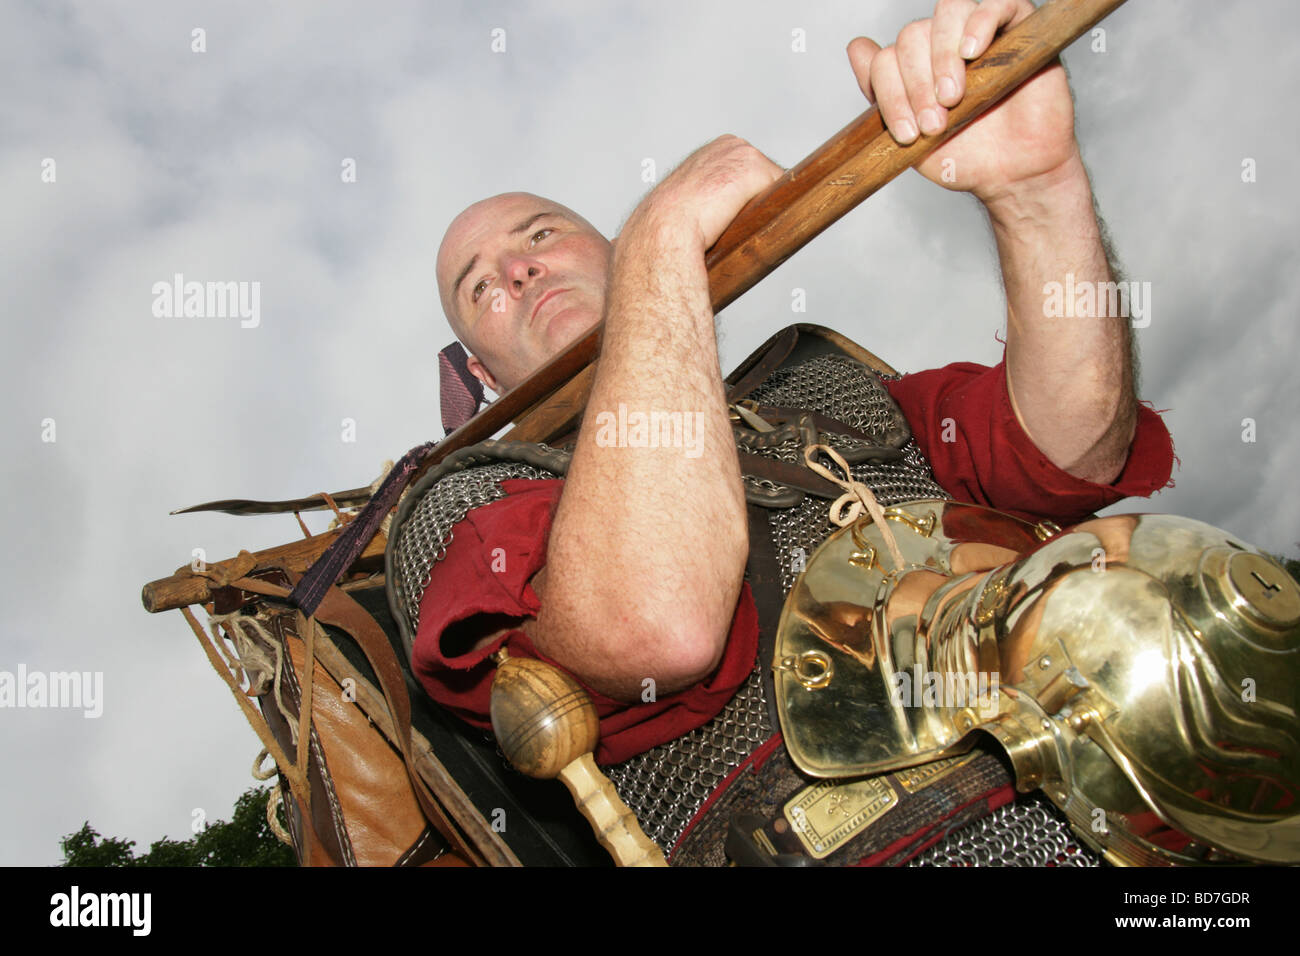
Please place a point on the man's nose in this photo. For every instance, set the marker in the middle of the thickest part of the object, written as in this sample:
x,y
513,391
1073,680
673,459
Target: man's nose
x,y
522,272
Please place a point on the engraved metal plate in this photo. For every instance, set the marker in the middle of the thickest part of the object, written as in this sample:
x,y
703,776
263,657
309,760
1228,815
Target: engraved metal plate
x,y
828,814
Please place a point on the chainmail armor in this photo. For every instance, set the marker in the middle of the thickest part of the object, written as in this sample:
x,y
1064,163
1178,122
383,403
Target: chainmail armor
x,y
840,388
424,536
667,785
1030,831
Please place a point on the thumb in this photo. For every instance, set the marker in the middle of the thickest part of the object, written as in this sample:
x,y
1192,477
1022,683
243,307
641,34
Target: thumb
x,y
861,51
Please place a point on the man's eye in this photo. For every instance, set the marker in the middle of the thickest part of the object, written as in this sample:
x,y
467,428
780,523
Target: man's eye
x,y
542,233
478,290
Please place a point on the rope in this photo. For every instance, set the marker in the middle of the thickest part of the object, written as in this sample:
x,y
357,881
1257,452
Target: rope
x,y
231,660
237,567
255,659
258,772
273,819
340,519
296,775
856,498
273,799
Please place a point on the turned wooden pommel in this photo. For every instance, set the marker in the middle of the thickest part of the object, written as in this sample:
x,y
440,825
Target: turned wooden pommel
x,y
542,719
547,727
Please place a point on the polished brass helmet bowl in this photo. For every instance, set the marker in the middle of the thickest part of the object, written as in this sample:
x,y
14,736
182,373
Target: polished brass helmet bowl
x,y
1143,670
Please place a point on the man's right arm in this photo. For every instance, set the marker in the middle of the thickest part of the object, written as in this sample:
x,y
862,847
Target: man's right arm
x,y
648,548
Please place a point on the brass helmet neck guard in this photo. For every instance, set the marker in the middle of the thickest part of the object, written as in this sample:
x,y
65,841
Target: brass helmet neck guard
x,y
1143,670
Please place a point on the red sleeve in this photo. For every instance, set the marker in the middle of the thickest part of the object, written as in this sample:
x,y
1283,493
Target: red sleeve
x,y
962,419
482,586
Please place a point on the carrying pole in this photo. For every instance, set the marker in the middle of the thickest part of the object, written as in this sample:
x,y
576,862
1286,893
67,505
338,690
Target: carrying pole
x,y
781,220
774,225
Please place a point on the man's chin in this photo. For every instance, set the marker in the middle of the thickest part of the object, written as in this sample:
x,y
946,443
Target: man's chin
x,y
566,327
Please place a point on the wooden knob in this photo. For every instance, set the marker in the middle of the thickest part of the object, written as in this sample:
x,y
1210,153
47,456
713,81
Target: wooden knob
x,y
542,719
547,727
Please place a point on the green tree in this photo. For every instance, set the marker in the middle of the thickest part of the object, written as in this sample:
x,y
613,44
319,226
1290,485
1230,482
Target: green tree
x,y
84,848
246,840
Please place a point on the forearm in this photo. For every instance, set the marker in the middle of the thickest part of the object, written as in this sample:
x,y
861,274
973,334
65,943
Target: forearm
x,y
1069,375
648,547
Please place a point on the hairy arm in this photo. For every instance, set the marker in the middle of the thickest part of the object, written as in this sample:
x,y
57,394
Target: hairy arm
x,y
648,548
1070,377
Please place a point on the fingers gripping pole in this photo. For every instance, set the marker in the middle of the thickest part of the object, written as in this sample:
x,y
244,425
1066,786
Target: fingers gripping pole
x,y
547,727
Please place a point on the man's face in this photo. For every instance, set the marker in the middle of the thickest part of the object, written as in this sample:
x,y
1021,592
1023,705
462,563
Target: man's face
x,y
520,278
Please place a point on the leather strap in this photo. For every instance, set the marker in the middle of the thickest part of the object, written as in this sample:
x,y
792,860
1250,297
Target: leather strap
x,y
785,473
339,609
778,349
764,574
777,414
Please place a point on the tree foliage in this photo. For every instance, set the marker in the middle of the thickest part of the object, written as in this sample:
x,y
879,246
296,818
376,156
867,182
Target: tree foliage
x,y
246,840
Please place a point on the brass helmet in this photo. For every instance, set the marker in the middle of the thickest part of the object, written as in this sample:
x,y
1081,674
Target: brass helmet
x,y
1143,670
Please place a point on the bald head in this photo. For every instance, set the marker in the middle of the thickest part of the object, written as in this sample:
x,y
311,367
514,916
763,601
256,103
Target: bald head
x,y
519,278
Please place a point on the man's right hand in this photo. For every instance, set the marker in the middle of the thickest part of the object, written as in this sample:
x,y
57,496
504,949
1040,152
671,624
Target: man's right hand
x,y
701,197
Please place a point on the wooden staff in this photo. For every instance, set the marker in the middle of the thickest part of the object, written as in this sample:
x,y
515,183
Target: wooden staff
x,y
775,224
799,206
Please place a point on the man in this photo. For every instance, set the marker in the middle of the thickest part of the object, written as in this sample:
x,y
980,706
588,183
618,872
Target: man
x,y
639,587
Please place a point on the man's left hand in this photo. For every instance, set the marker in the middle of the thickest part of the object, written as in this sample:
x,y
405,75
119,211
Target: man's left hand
x,y
1027,137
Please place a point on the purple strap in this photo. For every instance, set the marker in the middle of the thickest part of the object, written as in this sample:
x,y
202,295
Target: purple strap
x,y
459,392
338,557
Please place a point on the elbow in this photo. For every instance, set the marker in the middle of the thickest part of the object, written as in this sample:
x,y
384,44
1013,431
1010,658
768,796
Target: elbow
x,y
661,652
637,651
1106,456
688,652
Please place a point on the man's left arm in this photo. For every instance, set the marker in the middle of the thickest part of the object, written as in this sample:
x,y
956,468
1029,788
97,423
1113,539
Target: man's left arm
x,y
1070,379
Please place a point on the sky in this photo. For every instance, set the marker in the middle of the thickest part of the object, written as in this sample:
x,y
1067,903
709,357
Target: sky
x,y
128,156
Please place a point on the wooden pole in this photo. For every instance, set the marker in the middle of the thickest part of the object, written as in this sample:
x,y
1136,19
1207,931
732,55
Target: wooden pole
x,y
807,199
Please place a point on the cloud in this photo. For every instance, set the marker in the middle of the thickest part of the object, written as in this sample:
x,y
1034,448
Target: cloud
x,y
225,165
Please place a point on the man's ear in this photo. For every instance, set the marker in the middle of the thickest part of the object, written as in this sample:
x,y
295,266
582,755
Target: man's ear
x,y
480,372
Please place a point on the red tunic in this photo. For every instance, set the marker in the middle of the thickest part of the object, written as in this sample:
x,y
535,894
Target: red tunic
x,y
962,419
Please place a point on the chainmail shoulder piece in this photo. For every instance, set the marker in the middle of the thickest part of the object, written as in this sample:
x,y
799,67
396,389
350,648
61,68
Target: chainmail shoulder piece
x,y
841,388
424,525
